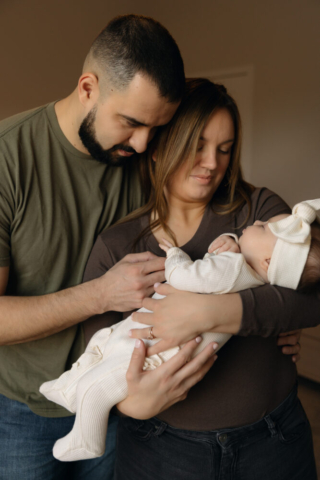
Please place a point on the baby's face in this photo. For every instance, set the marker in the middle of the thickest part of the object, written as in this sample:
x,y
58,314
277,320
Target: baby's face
x,y
257,243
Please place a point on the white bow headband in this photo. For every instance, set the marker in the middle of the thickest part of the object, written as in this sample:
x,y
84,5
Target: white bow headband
x,y
292,247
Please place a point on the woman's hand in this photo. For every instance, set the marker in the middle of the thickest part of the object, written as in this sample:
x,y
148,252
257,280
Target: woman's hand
x,y
182,316
151,392
290,344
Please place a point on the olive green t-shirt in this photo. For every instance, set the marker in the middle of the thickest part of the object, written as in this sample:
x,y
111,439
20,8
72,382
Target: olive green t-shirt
x,y
54,202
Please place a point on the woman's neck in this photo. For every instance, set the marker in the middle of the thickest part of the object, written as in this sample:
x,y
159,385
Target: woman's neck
x,y
184,220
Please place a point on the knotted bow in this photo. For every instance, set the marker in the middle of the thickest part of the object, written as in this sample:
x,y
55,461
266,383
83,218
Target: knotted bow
x,y
292,247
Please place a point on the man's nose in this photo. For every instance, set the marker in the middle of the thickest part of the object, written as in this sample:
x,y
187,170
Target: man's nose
x,y
139,139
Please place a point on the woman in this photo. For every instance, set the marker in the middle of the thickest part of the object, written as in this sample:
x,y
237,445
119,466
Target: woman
x,y
243,420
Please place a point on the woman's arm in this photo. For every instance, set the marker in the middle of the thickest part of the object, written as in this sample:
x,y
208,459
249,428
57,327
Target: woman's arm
x,y
194,314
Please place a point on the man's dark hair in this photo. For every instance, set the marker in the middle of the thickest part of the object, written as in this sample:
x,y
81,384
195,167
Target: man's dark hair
x,y
133,43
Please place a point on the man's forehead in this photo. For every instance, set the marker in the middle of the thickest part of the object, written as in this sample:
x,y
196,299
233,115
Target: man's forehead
x,y
142,103
145,113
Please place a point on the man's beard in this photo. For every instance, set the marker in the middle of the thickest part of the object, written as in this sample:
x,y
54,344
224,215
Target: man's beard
x,y
87,135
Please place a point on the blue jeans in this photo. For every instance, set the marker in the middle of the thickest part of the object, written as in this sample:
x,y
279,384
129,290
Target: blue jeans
x,y
277,447
26,442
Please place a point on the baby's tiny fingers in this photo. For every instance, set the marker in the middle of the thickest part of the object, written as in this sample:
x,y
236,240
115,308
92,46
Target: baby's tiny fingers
x,y
163,247
215,244
166,242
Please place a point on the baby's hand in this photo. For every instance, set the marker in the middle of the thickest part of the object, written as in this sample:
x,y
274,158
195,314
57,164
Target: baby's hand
x,y
224,243
166,246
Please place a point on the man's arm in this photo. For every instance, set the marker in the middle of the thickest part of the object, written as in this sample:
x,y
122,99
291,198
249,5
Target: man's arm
x,y
122,288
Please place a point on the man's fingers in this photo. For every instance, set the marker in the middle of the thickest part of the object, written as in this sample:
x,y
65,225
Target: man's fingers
x,y
138,257
153,265
156,277
137,360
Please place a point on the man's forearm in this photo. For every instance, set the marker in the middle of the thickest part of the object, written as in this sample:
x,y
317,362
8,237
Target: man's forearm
x,y
120,289
24,319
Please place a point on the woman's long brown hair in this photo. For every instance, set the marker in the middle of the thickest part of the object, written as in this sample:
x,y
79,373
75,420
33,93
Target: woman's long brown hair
x,y
177,143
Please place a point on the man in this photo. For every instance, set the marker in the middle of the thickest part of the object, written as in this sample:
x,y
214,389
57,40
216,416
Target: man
x,y
60,186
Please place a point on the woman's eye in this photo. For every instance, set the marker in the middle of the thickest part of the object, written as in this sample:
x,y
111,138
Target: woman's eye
x,y
224,152
200,147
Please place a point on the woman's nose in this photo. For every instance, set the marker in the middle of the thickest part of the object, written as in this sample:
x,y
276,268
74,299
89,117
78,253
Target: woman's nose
x,y
209,160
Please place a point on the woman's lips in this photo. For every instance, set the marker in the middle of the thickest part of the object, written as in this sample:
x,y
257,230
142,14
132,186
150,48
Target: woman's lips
x,y
203,179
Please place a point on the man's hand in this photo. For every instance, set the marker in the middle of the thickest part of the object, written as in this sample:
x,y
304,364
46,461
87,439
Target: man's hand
x,y
289,342
224,243
151,392
129,281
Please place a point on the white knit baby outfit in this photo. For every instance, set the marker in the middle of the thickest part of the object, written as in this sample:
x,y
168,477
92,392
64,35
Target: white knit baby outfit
x,y
97,381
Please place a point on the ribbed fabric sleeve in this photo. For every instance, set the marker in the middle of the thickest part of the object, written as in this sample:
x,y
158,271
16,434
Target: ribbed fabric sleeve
x,y
283,310
222,273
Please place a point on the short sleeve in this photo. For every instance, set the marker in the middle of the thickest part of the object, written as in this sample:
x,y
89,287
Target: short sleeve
x,y
99,262
6,216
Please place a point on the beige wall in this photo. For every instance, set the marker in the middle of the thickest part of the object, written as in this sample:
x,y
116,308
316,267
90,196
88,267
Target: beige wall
x,y
44,43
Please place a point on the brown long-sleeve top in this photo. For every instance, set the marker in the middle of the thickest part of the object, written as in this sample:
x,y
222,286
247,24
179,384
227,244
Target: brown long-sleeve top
x,y
251,376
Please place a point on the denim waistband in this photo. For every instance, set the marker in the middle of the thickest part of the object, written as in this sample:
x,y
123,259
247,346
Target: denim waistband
x,y
227,436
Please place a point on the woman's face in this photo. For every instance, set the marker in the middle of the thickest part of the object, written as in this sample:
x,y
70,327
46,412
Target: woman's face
x,y
211,162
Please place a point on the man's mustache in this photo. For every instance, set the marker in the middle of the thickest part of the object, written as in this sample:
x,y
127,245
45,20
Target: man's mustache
x,y
120,146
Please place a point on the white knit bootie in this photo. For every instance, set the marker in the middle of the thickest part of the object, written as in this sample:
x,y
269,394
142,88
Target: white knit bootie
x,y
95,398
62,390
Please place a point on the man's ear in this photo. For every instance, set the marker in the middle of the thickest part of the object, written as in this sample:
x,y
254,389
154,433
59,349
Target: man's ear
x,y
88,90
264,264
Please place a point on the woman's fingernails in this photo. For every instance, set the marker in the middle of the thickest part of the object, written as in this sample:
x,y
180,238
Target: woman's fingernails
x,y
156,285
199,339
215,346
137,343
